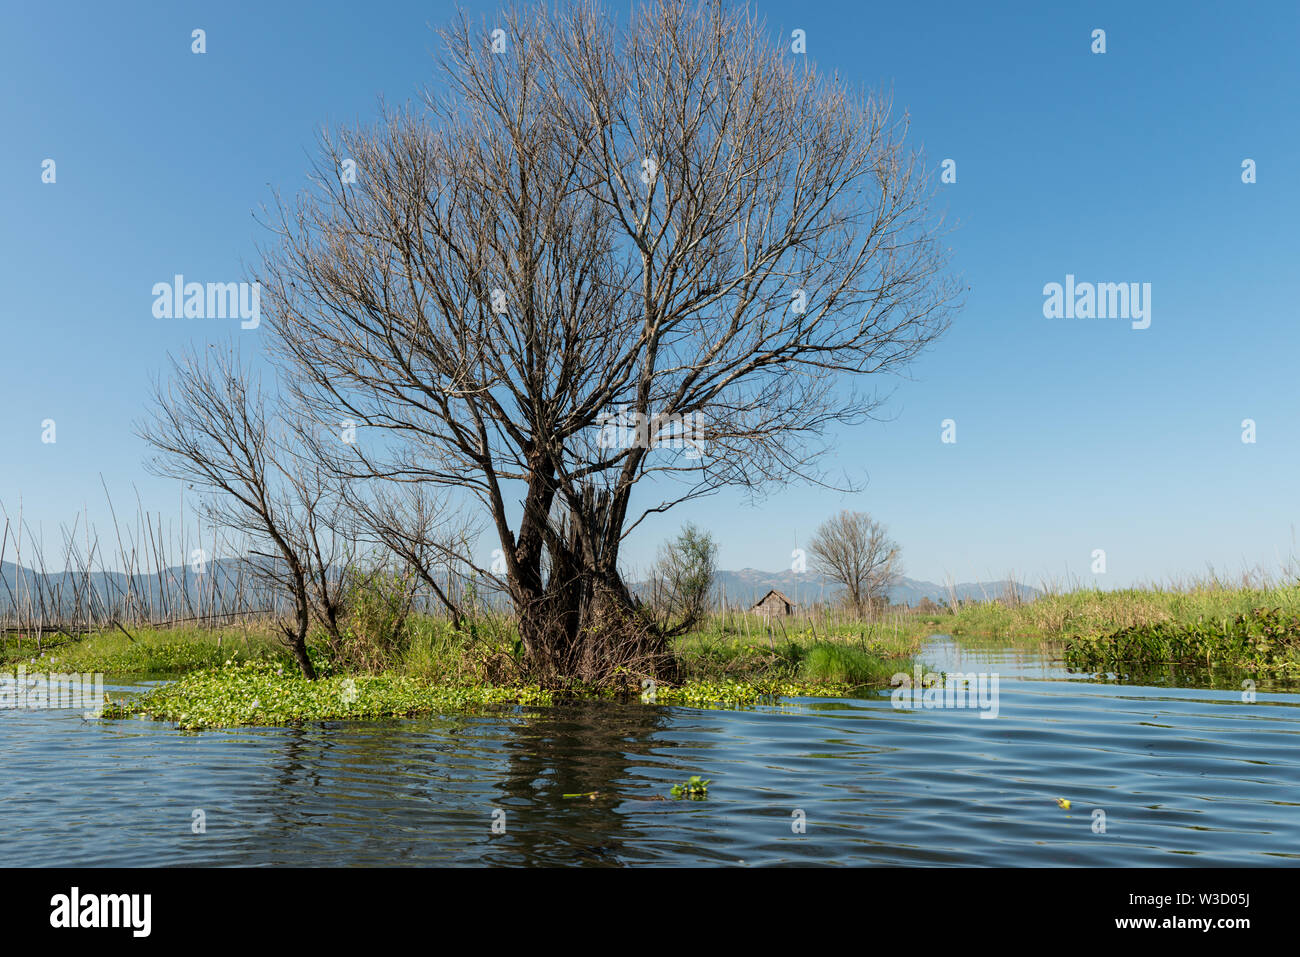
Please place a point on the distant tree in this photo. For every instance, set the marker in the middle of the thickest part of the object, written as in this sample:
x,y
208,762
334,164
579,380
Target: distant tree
x,y
927,606
854,550
682,579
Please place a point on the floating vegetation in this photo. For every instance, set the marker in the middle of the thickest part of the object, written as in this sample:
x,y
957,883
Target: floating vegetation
x,y
730,693
695,788
270,694
1263,641
265,694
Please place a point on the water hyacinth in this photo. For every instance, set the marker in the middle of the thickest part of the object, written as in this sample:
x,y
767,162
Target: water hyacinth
x,y
1264,641
695,788
259,693
729,692
265,694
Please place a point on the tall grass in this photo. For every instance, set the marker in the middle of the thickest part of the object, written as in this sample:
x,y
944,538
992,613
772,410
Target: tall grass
x,y
1089,611
844,663
164,652
823,645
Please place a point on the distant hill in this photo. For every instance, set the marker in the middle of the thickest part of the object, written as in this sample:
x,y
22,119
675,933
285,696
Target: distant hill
x,y
176,591
749,584
179,590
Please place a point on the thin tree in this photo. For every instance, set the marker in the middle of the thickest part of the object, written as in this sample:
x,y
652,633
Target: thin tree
x,y
682,579
210,425
854,550
675,222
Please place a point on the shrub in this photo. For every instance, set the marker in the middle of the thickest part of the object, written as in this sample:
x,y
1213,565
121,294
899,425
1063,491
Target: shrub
x,y
375,631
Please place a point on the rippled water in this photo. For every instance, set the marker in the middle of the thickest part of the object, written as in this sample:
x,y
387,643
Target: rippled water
x,y
1182,776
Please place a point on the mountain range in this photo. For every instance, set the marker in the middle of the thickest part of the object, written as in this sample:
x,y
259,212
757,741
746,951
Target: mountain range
x,y
746,586
180,588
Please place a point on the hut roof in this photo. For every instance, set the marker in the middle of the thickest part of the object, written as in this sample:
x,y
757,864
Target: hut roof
x,y
778,594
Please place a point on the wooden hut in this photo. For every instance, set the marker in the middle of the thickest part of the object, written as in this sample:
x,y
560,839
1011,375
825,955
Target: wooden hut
x,y
774,605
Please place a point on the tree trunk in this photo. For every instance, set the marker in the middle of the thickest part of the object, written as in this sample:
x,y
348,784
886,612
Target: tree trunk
x,y
581,624
297,637
299,648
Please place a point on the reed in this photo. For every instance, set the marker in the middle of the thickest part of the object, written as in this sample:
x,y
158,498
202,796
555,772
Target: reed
x,y
145,574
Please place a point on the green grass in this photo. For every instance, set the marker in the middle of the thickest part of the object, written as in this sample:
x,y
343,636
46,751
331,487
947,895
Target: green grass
x,y
244,676
808,652
486,648
160,652
239,676
1183,632
226,679
842,663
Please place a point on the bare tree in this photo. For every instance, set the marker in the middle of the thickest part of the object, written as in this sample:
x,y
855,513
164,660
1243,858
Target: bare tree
x,y
211,426
675,220
854,550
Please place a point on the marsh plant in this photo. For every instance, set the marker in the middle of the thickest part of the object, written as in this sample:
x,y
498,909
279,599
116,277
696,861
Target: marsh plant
x,y
1264,641
374,633
695,788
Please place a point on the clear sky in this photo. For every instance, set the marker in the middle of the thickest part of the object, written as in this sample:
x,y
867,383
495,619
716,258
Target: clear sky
x,y
1072,434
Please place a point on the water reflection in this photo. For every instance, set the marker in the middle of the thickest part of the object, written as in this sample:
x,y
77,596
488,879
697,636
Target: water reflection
x,y
593,750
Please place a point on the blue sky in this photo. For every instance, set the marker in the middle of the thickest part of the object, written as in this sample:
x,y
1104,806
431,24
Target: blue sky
x,y
1072,434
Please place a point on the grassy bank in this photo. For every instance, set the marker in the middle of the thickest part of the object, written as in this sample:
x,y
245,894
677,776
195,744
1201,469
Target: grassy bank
x,y
154,652
727,644
1056,617
831,649
242,676
1252,629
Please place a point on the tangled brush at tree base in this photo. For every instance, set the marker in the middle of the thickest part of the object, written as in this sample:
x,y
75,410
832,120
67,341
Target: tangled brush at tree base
x,y
606,642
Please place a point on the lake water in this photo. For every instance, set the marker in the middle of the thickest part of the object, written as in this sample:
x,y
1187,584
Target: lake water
x,y
1184,777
